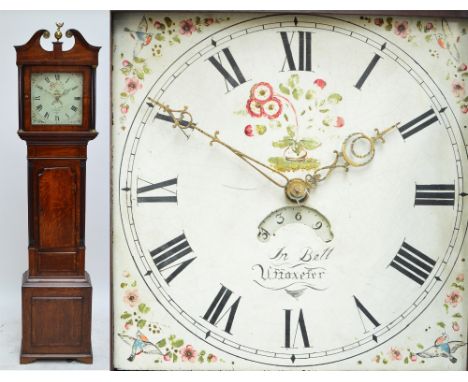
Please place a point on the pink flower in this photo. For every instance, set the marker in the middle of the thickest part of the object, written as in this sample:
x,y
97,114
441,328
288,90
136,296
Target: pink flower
x,y
339,122
460,277
124,108
464,109
187,27
167,357
462,67
131,297
248,130
453,298
320,83
261,92
379,21
211,358
395,354
208,21
413,358
272,108
126,274
125,63
188,353
132,85
428,27
127,325
458,88
401,28
455,326
254,108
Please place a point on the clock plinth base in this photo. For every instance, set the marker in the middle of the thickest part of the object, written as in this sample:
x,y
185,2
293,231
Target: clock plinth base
x,y
56,319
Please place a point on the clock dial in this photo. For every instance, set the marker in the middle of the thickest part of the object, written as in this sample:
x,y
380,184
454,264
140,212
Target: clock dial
x,y
56,98
263,108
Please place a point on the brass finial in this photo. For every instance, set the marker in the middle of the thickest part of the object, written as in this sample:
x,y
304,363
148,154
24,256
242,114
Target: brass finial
x,y
58,33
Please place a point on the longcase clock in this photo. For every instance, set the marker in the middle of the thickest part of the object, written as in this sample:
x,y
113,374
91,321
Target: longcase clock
x,y
57,109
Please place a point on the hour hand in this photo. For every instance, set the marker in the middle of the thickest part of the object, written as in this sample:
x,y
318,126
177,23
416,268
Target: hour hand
x,y
183,119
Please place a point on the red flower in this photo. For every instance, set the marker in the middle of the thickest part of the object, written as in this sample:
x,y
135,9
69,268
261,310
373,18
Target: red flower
x,y
211,358
261,92
132,85
187,27
453,298
188,353
379,21
339,122
395,354
455,326
125,63
320,83
131,297
167,357
464,109
158,25
401,28
254,108
462,67
124,108
428,27
458,88
272,108
460,277
248,130
208,21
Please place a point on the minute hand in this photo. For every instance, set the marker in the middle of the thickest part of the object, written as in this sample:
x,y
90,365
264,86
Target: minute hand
x,y
214,138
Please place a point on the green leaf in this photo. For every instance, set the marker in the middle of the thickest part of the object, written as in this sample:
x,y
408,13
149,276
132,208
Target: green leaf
x,y
321,103
124,94
420,346
125,315
384,361
123,285
201,359
178,343
139,60
174,357
146,70
286,117
197,20
283,89
283,143
168,21
419,25
406,360
293,81
143,308
457,315
446,308
141,323
125,70
291,131
309,94
428,37
161,344
159,37
309,144
297,93
326,122
140,74
176,39
261,129
324,110
464,74
134,284
441,324
388,27
334,98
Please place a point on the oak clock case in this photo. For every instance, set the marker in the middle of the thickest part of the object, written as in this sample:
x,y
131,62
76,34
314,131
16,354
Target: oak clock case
x,y
288,192
56,120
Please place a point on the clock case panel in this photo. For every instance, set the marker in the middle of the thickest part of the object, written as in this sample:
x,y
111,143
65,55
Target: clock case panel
x,y
56,288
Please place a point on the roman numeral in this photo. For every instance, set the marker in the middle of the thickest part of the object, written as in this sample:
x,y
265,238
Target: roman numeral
x,y
39,107
46,115
435,195
413,263
231,81
167,256
304,51
47,79
74,108
37,98
77,98
367,72
74,87
57,76
299,327
164,186
417,124
57,118
218,310
168,118
362,310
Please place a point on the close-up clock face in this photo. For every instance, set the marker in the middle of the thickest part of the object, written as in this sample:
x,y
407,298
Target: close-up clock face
x,y
290,188
56,98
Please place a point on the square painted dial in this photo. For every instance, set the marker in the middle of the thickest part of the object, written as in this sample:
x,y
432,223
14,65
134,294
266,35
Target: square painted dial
x,y
56,98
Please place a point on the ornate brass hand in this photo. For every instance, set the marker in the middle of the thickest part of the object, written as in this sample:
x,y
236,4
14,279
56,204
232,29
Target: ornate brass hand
x,y
296,189
184,120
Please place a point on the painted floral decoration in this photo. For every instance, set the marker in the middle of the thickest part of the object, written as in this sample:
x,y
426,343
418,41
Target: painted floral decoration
x,y
147,338
275,108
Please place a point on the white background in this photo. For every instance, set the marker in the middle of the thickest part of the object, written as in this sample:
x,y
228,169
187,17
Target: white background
x,y
16,28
